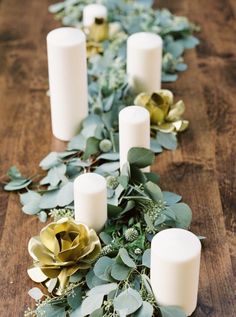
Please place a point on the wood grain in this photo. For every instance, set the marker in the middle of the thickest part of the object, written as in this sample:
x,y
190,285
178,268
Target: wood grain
x,y
202,169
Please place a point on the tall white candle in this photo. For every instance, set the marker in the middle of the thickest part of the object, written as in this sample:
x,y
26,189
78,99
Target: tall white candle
x,y
90,199
134,131
93,11
144,62
67,70
175,263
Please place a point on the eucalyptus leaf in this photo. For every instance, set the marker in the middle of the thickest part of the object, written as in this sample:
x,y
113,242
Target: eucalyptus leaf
x,y
14,173
102,289
119,271
97,313
77,143
91,303
153,191
74,298
55,175
140,157
105,237
147,284
49,200
183,215
50,310
167,140
100,268
17,184
126,259
49,161
42,215
30,202
129,301
146,310
146,258
35,293
65,195
155,146
92,147
108,167
109,156
171,198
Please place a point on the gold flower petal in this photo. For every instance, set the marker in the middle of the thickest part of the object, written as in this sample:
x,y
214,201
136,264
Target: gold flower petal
x,y
75,247
181,125
41,253
63,279
36,274
166,127
94,48
51,272
49,239
32,242
176,111
167,95
93,252
157,115
157,99
98,31
142,99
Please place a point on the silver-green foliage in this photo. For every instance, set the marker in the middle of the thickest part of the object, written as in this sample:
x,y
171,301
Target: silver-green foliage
x,y
118,283
135,16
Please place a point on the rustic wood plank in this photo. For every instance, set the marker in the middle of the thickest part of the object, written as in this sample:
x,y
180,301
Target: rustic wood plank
x,y
202,168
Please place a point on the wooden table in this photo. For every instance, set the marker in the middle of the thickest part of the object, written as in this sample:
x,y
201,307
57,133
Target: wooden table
x,y
202,169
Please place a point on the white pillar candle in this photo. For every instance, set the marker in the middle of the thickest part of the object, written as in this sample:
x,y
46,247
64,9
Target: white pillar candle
x,y
144,62
175,263
67,70
93,11
134,131
90,200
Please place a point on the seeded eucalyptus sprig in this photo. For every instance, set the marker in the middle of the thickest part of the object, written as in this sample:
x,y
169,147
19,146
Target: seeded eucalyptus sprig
x,y
118,283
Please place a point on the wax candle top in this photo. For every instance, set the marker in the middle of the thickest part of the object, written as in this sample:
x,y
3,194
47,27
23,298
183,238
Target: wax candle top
x,y
134,115
145,40
66,36
99,9
93,11
176,245
90,183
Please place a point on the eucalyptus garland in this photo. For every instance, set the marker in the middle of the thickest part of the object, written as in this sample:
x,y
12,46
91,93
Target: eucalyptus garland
x,y
117,282
94,149
126,17
113,280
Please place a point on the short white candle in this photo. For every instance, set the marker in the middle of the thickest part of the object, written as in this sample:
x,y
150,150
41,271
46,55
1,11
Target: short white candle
x,y
67,68
134,131
90,200
175,263
144,62
93,11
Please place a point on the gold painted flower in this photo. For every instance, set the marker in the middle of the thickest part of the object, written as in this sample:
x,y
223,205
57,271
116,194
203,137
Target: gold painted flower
x,y
166,116
61,249
98,31
96,34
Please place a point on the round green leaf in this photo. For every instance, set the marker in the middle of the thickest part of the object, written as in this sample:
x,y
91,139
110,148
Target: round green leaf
x,y
140,157
128,301
120,272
